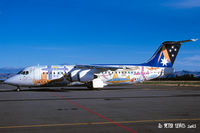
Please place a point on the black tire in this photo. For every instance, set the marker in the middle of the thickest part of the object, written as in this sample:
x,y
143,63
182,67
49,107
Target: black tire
x,y
90,86
18,89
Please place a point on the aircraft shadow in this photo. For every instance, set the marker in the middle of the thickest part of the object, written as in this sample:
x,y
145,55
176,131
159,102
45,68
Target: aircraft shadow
x,y
63,89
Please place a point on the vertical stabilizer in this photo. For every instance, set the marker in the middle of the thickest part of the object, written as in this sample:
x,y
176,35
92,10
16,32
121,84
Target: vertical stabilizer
x,y
166,54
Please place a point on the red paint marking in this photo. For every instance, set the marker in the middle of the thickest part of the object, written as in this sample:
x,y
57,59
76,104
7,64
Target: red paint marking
x,y
101,116
143,73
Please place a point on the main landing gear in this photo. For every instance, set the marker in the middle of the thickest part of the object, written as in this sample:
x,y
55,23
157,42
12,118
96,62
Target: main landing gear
x,y
90,86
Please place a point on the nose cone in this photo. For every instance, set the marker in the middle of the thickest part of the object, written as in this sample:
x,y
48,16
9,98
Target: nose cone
x,y
8,81
11,81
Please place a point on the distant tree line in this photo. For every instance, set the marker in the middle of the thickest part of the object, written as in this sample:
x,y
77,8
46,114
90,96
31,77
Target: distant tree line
x,y
185,77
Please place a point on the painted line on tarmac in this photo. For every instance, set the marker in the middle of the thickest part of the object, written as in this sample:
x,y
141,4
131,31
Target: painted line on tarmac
x,y
95,113
97,123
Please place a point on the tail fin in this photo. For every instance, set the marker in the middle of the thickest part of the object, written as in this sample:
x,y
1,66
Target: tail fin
x,y
166,54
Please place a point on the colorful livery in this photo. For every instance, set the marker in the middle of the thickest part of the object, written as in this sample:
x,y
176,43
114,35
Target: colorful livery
x,y
100,75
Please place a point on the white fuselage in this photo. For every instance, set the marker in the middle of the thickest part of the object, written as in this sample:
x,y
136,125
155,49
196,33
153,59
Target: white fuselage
x,y
59,75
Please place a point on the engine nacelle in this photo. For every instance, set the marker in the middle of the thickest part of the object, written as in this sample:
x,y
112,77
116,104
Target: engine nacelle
x,y
168,71
82,75
86,75
74,75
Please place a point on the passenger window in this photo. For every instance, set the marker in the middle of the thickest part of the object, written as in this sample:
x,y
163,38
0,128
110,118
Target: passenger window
x,y
54,72
58,72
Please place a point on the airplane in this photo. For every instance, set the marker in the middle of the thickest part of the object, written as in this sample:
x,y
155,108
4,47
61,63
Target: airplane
x,y
100,75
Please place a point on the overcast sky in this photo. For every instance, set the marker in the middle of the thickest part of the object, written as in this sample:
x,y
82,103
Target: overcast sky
x,y
96,31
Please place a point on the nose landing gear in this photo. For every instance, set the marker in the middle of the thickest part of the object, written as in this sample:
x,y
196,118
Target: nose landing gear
x,y
18,89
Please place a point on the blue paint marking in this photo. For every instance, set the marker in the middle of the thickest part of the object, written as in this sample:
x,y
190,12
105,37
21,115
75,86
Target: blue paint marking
x,y
49,69
119,79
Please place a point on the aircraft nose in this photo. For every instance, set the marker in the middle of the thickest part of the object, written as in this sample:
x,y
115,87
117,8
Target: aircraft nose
x,y
9,81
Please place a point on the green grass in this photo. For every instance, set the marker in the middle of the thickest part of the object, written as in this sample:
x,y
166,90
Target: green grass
x,y
173,82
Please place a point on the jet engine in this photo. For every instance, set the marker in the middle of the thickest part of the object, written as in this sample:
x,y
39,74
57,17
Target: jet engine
x,y
82,75
86,75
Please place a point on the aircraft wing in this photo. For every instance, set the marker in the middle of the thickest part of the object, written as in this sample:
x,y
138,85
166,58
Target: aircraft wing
x,y
100,67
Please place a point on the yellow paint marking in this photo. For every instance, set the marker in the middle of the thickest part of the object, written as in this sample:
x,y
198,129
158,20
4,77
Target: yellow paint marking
x,y
96,123
165,53
115,76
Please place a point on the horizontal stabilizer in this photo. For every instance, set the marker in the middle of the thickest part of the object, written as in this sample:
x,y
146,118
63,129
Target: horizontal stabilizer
x,y
179,42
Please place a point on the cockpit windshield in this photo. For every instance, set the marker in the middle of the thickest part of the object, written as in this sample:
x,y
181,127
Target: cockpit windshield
x,y
19,72
23,72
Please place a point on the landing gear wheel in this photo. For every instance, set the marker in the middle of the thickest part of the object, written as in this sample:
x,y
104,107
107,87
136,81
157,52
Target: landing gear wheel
x,y
90,86
18,89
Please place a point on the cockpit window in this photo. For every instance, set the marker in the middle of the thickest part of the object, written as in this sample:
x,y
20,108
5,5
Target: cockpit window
x,y
26,72
23,72
19,72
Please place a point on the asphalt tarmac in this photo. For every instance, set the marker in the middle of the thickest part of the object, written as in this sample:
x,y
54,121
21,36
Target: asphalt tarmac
x,y
136,109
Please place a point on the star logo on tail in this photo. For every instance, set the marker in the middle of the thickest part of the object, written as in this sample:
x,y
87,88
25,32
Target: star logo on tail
x,y
164,61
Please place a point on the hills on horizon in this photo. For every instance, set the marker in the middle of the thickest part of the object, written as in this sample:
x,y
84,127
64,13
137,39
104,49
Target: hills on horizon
x,y
9,70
